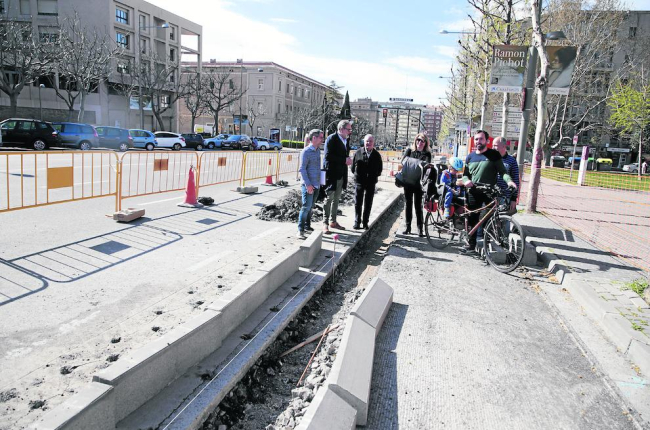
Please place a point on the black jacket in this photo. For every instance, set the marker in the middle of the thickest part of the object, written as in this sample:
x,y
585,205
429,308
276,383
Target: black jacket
x,y
366,171
334,157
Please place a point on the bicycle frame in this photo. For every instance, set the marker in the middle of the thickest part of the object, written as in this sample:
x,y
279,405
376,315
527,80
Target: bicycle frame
x,y
492,206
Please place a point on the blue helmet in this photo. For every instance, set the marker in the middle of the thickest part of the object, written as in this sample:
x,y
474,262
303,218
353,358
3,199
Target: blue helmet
x,y
456,163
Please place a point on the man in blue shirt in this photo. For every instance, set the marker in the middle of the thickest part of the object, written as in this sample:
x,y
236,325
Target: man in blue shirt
x,y
310,173
512,169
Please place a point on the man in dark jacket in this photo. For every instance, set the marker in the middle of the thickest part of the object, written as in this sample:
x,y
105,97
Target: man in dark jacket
x,y
366,166
335,164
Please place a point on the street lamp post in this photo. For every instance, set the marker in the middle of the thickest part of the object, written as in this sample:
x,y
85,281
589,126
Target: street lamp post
x,y
240,61
139,71
40,103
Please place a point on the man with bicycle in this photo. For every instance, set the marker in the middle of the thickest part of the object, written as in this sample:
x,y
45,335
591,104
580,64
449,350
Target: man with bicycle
x,y
481,166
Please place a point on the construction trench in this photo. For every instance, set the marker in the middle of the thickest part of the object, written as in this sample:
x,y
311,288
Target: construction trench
x,y
270,396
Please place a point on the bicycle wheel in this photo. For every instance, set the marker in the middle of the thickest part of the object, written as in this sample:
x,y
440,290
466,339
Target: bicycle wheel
x,y
504,243
438,230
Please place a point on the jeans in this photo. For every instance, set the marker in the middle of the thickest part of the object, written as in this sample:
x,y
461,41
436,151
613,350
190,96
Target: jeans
x,y
331,205
304,217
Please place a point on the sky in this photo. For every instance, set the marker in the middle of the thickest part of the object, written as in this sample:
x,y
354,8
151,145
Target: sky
x,y
372,49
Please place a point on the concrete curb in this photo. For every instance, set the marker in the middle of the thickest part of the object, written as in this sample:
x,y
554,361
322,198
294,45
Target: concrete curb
x,y
351,374
329,412
137,378
630,342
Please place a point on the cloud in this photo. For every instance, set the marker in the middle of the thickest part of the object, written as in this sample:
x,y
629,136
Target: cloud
x,y
284,20
464,24
419,64
447,51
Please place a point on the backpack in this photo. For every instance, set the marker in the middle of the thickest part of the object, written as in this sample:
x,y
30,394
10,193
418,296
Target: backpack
x,y
431,185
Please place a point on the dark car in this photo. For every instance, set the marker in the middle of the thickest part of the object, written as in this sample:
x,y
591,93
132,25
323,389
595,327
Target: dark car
x,y
80,136
194,140
238,141
114,138
30,133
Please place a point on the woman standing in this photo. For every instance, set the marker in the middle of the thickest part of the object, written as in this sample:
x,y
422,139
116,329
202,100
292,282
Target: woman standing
x,y
413,194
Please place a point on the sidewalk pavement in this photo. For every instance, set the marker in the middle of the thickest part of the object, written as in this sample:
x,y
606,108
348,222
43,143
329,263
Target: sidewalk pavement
x,y
464,346
597,281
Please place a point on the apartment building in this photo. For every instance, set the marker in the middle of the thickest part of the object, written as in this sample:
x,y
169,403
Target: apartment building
x,y
274,97
432,121
138,27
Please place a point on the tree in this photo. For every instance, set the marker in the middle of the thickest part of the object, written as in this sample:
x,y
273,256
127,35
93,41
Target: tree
x,y
195,96
345,109
83,60
254,112
23,59
360,128
630,108
221,92
161,82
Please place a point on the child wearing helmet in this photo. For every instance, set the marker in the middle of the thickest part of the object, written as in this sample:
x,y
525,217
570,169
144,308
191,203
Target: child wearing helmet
x,y
448,180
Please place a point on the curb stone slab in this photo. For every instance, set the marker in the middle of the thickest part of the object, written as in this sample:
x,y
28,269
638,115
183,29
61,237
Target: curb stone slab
x,y
373,305
328,411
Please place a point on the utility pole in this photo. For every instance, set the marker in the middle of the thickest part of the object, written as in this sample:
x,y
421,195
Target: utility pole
x,y
241,88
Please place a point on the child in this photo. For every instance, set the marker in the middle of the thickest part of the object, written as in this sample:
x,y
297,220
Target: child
x,y
448,182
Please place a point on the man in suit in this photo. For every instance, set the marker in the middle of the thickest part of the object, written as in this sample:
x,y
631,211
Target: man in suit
x,y
366,166
335,164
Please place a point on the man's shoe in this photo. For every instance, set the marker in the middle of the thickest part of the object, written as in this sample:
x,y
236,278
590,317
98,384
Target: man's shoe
x,y
356,227
326,230
365,226
337,226
301,235
407,230
420,231
308,228
468,249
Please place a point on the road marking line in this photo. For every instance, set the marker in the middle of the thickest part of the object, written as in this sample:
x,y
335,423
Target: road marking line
x,y
159,201
205,262
264,234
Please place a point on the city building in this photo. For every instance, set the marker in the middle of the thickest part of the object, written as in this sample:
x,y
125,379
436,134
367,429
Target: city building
x,y
275,97
137,26
367,109
432,121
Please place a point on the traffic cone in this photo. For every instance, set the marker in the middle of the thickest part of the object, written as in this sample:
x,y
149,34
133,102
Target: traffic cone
x,y
269,175
190,192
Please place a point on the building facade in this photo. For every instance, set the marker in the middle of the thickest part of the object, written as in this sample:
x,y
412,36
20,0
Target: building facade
x,y
432,121
274,97
137,26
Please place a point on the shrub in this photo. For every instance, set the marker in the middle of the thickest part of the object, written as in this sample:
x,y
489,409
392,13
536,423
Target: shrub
x,y
295,144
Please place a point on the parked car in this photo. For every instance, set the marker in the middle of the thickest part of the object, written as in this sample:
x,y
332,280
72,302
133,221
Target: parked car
x,y
80,136
215,142
143,139
261,143
632,168
114,138
30,133
558,160
194,140
238,141
171,140
275,145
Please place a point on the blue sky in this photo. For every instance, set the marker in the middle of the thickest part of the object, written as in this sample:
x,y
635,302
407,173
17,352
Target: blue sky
x,y
373,49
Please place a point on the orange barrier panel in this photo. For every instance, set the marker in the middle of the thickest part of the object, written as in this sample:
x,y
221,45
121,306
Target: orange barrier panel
x,y
220,167
40,178
259,165
154,172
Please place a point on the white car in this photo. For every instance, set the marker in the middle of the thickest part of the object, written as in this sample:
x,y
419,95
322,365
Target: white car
x,y
171,140
632,168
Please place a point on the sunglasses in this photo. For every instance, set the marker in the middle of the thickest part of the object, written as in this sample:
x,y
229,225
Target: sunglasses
x,y
420,140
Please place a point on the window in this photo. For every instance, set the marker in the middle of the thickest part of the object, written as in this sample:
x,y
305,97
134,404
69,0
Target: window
x,y
123,67
260,108
48,34
260,84
122,40
164,102
143,46
287,88
291,92
112,132
231,84
142,21
172,33
25,7
279,87
121,15
2,6
632,34
172,54
47,7
26,126
279,108
72,128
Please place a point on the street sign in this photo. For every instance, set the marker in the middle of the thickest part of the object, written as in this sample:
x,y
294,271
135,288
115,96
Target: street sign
x,y
287,128
400,100
575,139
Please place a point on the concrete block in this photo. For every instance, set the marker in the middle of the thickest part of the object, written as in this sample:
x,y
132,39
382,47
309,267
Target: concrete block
x,y
140,376
351,373
247,190
639,353
91,408
328,411
530,256
374,303
311,247
238,303
620,331
595,306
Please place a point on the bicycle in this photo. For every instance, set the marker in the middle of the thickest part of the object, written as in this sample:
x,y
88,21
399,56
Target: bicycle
x,y
503,237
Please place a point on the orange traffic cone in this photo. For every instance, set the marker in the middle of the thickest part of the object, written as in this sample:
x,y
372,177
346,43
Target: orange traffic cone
x,y
269,175
190,192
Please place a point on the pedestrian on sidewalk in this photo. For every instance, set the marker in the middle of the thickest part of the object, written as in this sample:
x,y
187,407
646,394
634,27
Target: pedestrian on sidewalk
x,y
510,163
310,173
366,166
481,166
335,163
644,167
413,194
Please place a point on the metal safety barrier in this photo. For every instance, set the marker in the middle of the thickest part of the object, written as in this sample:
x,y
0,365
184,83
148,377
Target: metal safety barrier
x,y
259,165
220,167
40,178
288,162
154,172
